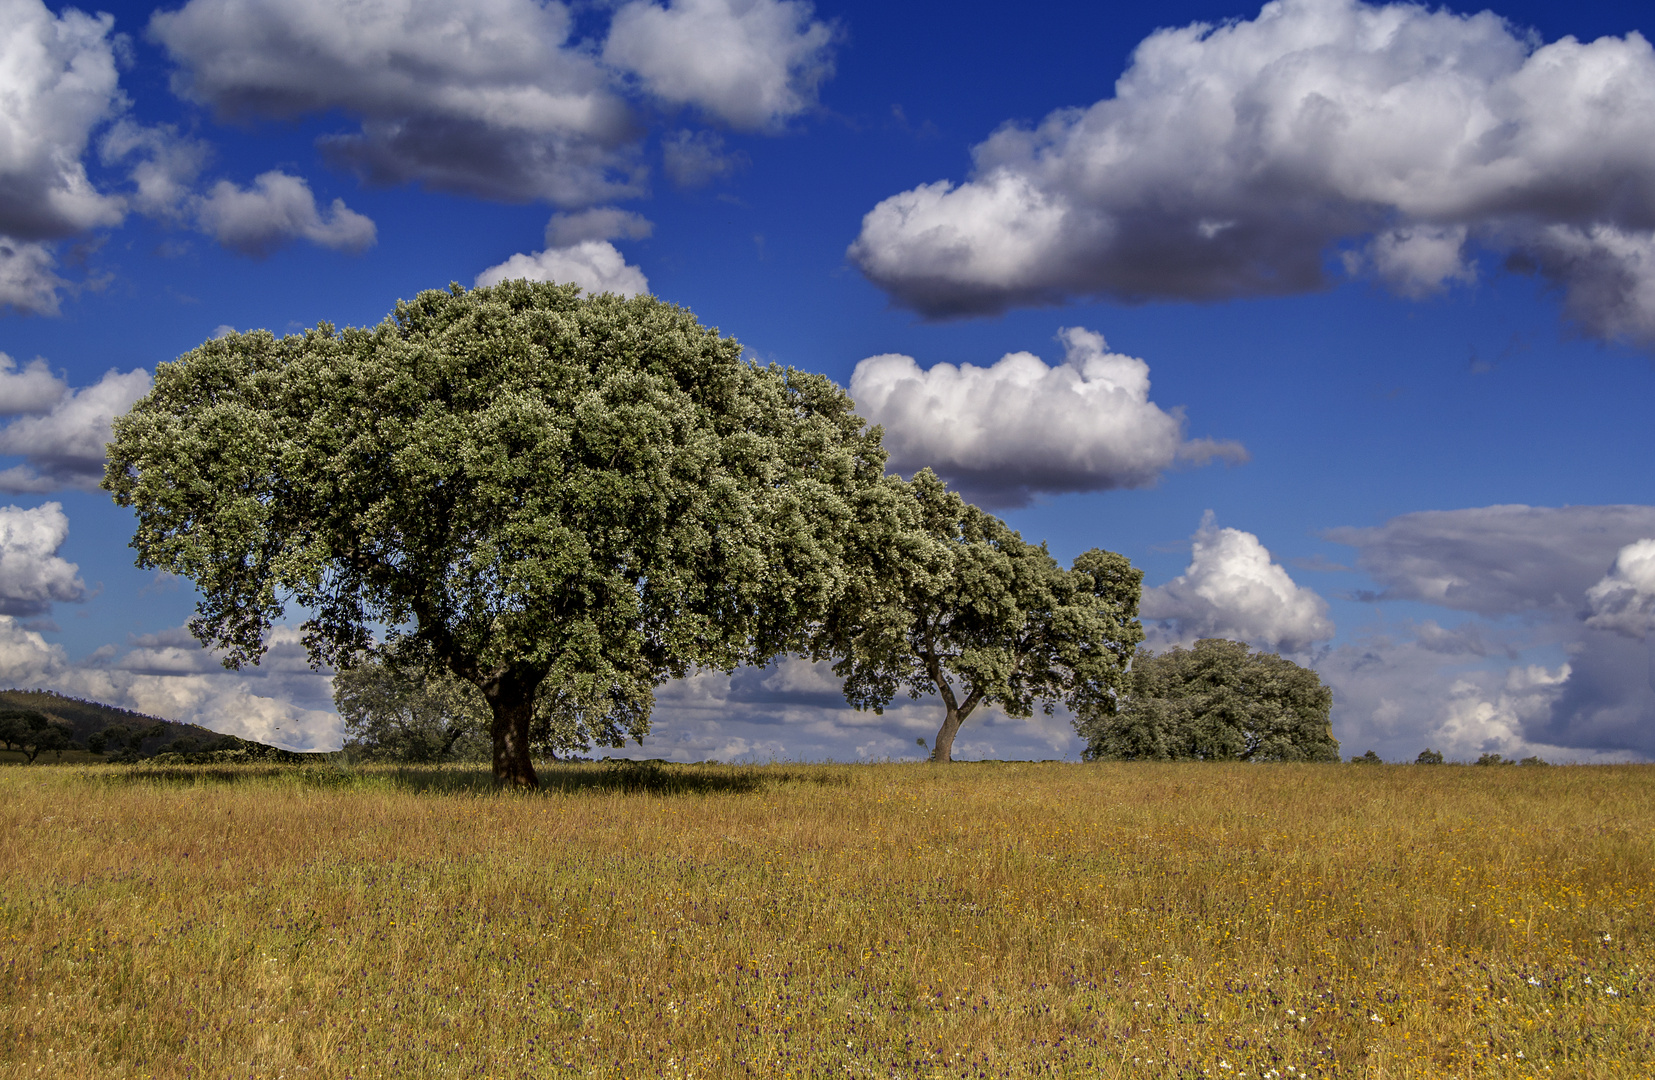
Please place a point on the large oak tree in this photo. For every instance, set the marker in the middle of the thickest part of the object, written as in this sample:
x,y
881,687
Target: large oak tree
x,y
530,486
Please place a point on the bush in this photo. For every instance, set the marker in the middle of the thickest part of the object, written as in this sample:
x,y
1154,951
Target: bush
x,y
1429,757
1369,758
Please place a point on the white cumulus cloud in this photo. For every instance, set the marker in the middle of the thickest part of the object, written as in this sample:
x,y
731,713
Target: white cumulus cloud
x,y
578,251
27,660
279,208
32,575
28,280
1018,427
1400,696
498,98
58,81
63,443
59,84
1624,601
595,265
750,63
1476,721
282,701
35,389
1233,160
1533,577
485,97
1233,590
163,166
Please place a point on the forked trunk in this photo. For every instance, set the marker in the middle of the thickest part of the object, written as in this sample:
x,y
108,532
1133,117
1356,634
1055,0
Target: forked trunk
x,y
511,699
954,714
944,750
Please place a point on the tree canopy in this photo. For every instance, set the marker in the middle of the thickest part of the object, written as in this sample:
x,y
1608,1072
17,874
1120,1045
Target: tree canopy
x,y
33,733
946,598
531,486
1217,701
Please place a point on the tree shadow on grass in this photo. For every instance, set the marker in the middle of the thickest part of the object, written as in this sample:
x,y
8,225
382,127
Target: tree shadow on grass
x,y
650,777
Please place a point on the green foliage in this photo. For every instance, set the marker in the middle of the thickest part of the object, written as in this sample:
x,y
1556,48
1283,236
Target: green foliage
x,y
533,488
33,733
222,750
190,747
398,709
1218,701
403,715
946,598
1369,758
127,744
1429,757
1533,760
1494,759
17,726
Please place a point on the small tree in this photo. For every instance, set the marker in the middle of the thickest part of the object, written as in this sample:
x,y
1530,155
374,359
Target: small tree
x,y
16,725
950,600
112,737
1429,757
533,487
411,716
1369,758
53,738
1218,701
32,733
402,708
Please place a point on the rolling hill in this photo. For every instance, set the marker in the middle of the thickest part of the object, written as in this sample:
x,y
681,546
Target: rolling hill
x,y
86,720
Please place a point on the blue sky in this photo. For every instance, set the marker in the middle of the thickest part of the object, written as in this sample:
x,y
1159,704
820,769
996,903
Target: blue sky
x,y
1389,273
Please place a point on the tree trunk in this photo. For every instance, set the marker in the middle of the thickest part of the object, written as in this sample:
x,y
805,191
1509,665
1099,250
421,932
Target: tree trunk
x,y
954,714
511,699
944,750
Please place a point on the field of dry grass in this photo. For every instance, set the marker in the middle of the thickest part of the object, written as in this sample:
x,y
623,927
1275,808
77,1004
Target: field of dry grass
x,y
993,920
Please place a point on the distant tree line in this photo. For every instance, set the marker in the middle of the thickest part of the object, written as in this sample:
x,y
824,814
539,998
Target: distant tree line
x,y
1435,757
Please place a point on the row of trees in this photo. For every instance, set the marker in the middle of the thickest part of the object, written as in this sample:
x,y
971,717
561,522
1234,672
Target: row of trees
x,y
1434,757
555,503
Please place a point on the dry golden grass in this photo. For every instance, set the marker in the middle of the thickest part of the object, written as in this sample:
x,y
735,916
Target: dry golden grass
x,y
881,921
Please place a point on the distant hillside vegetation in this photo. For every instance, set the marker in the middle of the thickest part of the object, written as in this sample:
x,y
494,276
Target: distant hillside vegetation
x,y
124,735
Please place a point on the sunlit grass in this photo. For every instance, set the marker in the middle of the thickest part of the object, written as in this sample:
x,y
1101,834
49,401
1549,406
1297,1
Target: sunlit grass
x,y
878,921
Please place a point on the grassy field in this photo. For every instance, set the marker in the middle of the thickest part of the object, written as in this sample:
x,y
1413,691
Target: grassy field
x,y
993,920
